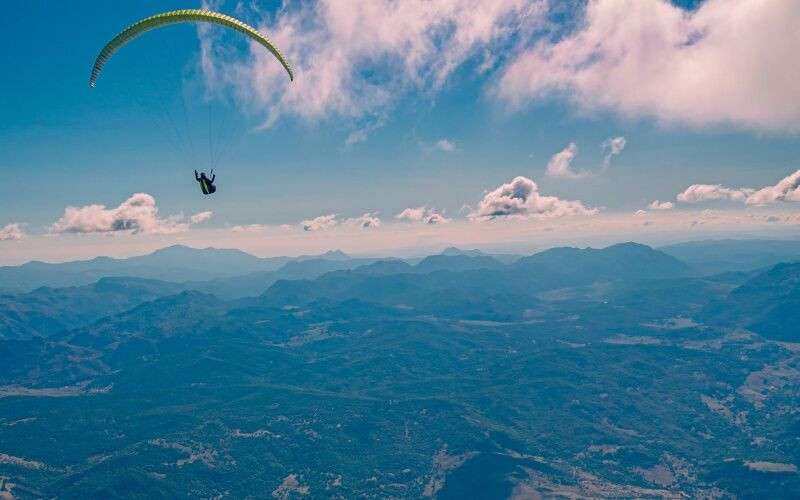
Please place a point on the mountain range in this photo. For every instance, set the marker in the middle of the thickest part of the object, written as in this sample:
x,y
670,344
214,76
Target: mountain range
x,y
718,256
176,263
619,372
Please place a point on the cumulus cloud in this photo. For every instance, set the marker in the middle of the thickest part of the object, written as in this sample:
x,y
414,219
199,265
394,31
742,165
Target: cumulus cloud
x,y
612,147
12,231
788,189
319,223
446,145
411,214
697,193
728,61
201,217
661,205
640,213
355,59
421,214
521,198
559,165
137,214
364,221
435,218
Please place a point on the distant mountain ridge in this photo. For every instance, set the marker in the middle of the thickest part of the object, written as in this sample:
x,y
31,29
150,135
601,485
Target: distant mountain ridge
x,y
175,263
709,257
506,258
468,284
479,286
254,283
621,261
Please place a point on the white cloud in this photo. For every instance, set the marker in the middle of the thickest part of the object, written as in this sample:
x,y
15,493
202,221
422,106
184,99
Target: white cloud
x,y
788,189
137,214
433,218
364,221
411,214
355,59
697,193
421,214
612,146
319,223
661,205
446,145
640,213
521,198
367,220
201,217
728,61
12,231
559,165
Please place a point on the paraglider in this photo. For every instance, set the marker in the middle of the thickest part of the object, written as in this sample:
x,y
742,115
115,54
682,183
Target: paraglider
x,y
186,16
182,16
206,185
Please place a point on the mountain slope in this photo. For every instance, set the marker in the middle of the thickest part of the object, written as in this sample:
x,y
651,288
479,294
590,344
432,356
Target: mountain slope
x,y
457,263
768,304
253,284
624,261
45,310
189,396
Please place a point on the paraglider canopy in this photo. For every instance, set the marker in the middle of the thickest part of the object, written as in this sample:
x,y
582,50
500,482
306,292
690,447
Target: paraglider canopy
x,y
182,16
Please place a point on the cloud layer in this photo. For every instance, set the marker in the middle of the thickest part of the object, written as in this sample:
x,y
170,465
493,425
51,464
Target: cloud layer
x,y
521,198
356,60
729,61
137,214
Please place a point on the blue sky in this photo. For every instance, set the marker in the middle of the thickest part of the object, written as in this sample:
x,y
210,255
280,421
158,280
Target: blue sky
x,y
376,123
